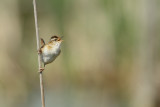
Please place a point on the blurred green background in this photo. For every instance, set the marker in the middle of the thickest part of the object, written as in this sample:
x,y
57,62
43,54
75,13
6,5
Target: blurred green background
x,y
110,54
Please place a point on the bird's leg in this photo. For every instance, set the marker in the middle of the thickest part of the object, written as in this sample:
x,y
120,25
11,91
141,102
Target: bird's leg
x,y
40,70
39,51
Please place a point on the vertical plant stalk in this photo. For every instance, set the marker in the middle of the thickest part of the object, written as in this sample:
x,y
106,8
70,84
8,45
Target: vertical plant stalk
x,y
39,60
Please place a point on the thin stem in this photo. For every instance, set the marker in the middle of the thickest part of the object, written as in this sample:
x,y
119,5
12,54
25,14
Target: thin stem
x,y
39,61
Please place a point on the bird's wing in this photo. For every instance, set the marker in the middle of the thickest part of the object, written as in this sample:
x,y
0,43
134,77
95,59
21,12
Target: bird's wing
x,y
42,43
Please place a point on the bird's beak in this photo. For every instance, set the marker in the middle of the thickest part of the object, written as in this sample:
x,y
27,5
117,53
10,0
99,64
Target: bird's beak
x,y
60,38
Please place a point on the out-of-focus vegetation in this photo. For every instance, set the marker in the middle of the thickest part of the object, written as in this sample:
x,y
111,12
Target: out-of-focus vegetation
x,y
110,55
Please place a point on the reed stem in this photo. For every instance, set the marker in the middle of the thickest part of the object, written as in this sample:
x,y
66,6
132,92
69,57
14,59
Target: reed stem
x,y
39,60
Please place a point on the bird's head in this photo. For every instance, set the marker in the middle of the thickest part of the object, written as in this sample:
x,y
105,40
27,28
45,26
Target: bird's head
x,y
56,40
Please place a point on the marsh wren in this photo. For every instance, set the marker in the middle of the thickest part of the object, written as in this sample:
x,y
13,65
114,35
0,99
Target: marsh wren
x,y
50,51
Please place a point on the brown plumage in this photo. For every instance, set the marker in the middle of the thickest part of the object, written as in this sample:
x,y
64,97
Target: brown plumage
x,y
50,51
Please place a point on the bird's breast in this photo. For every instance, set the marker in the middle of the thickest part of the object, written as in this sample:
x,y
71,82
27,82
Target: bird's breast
x,y
49,54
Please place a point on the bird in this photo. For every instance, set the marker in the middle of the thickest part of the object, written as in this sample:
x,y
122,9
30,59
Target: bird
x,y
49,52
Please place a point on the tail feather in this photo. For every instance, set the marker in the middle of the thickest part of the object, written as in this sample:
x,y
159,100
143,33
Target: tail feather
x,y
42,42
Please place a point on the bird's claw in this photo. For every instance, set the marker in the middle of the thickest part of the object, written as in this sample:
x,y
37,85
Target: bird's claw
x,y
40,70
39,51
